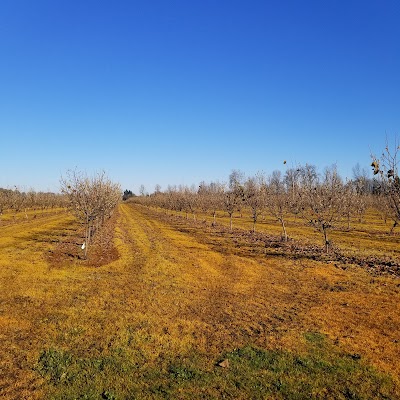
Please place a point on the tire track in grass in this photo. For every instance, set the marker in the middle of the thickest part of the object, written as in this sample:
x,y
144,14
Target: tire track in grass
x,y
227,300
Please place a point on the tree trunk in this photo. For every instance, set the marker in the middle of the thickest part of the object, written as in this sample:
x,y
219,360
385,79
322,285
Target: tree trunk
x,y
87,237
326,240
285,236
392,228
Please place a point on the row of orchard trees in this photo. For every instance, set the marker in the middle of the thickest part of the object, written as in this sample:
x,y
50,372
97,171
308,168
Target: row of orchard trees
x,y
323,200
92,200
16,200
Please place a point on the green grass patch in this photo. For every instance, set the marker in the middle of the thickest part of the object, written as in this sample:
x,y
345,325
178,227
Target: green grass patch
x,y
321,372
71,377
313,375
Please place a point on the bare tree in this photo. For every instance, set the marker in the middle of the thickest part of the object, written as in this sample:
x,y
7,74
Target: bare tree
x,y
18,199
321,200
211,198
279,199
170,201
292,184
32,199
142,190
363,186
91,199
349,202
361,179
236,186
157,189
230,203
189,200
255,195
387,171
234,195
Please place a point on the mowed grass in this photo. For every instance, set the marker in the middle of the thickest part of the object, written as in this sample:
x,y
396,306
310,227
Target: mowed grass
x,y
179,316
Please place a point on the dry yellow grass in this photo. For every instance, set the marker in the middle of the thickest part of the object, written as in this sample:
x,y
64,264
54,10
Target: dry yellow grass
x,y
176,292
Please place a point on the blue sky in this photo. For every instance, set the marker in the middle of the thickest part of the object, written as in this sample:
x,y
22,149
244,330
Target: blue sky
x,y
175,92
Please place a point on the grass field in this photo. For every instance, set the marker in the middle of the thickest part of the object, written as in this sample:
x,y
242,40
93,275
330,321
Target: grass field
x,y
181,310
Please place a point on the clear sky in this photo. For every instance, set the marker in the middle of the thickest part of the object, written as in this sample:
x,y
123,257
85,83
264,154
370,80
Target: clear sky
x,y
175,92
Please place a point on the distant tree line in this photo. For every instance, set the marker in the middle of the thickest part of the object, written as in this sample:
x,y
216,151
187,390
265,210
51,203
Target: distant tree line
x,y
16,200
